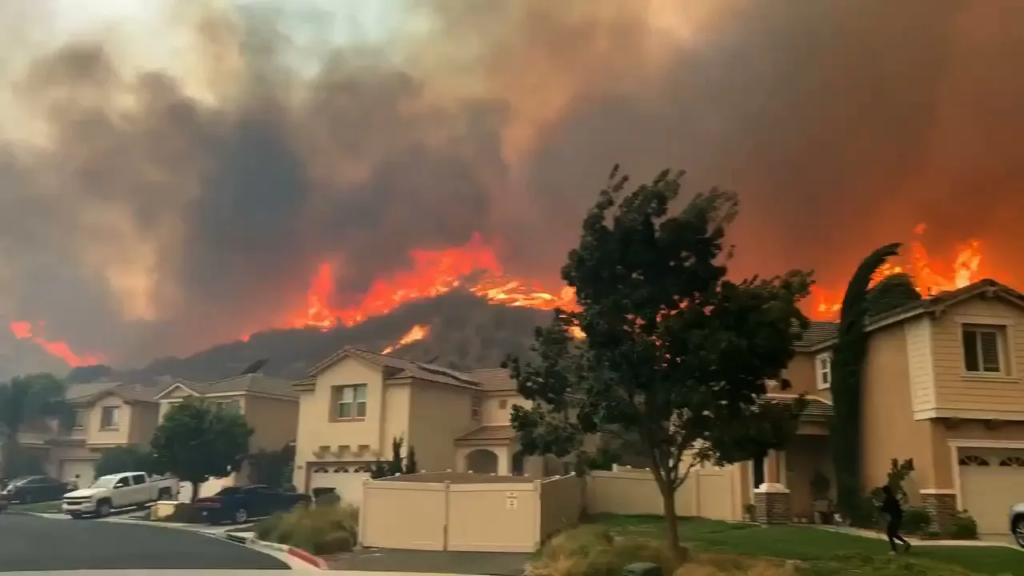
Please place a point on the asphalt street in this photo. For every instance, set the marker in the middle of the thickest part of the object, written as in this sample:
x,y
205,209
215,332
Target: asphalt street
x,y
29,543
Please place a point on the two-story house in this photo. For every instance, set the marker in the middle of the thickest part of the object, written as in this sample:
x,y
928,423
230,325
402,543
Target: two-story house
x,y
943,383
269,405
355,402
106,415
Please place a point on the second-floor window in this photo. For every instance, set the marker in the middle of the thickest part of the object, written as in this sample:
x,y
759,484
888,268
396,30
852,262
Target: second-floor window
x,y
823,365
983,349
352,402
233,406
110,416
474,409
79,419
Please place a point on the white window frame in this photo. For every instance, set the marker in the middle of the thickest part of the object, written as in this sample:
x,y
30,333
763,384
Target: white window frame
x,y
114,422
354,401
819,372
1000,333
476,408
227,405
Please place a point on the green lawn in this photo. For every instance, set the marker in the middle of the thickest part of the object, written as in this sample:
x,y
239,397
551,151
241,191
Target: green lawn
x,y
826,552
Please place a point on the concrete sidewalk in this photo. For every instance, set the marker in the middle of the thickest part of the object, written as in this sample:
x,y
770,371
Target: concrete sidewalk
x,y
915,541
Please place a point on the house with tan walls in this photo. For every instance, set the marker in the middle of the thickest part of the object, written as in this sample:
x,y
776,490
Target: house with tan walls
x,y
354,403
943,383
270,406
106,415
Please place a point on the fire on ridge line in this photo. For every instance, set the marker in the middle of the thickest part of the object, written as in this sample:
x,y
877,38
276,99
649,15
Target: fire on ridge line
x,y
436,272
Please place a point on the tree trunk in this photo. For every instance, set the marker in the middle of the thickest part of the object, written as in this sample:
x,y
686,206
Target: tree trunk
x,y
668,496
195,491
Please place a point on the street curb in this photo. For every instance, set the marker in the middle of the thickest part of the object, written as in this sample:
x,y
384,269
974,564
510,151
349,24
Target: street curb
x,y
292,551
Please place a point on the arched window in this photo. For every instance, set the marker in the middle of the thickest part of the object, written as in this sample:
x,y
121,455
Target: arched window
x,y
340,470
361,469
972,460
320,470
1012,462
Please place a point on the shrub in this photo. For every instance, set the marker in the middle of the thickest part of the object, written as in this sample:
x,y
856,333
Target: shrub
x,y
916,520
318,530
328,499
595,551
963,527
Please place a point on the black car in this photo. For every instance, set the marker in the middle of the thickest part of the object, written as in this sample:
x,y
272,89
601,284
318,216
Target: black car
x,y
239,504
29,489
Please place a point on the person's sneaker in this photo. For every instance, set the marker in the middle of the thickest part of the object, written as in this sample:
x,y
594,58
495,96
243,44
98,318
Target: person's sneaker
x,y
906,547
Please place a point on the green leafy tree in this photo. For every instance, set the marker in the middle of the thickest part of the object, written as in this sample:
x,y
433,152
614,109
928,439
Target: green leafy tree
x,y
272,467
123,459
197,441
847,365
676,357
24,400
890,293
410,462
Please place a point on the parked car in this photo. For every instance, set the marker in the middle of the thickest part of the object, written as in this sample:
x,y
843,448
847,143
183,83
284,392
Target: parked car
x,y
239,504
29,489
1017,523
124,490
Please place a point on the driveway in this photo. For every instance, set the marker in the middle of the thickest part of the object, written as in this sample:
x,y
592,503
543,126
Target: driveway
x,y
33,543
382,560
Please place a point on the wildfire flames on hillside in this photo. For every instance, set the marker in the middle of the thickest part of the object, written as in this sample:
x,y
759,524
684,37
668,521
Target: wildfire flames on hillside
x,y
197,172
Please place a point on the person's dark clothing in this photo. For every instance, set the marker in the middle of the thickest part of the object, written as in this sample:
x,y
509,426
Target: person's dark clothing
x,y
891,507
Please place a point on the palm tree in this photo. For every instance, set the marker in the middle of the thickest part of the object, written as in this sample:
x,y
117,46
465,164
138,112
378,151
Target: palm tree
x,y
24,400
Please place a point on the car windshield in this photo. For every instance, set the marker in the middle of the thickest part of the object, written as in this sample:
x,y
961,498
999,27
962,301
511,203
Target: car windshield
x,y
104,482
20,480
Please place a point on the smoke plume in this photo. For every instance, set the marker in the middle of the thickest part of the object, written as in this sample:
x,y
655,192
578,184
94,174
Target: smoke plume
x,y
166,190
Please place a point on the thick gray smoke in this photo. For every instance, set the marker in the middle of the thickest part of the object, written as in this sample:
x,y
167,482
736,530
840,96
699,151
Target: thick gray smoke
x,y
159,210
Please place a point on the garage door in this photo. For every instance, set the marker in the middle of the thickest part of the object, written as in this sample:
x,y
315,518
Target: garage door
x,y
991,482
81,468
346,479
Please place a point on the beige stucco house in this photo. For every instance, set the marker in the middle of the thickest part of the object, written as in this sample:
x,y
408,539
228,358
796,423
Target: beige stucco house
x,y
269,405
943,384
106,415
355,402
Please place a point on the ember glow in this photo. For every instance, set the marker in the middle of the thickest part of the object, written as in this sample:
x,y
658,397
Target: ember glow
x,y
930,276
26,331
417,333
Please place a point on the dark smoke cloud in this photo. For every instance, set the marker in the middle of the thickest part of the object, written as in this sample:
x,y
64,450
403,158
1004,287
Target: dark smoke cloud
x,y
842,123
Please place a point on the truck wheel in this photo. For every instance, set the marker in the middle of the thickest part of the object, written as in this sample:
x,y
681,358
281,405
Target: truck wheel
x,y
241,515
103,509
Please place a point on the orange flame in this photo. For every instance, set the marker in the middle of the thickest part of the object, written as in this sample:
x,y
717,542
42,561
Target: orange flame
x,y
927,279
24,331
415,334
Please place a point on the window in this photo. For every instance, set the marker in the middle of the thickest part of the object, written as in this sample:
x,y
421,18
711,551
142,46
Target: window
x,y
983,349
79,419
474,409
972,460
352,402
138,479
122,482
1012,462
233,406
823,365
109,417
502,404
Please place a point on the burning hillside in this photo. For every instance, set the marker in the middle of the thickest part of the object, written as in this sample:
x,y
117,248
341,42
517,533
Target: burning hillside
x,y
193,173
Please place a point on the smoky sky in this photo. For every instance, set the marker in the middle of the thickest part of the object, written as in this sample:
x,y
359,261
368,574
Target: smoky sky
x,y
154,220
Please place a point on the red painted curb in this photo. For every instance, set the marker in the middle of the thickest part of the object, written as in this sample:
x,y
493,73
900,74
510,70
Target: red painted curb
x,y
307,557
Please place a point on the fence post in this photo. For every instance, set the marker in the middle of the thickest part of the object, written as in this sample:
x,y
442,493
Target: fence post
x,y
362,514
538,513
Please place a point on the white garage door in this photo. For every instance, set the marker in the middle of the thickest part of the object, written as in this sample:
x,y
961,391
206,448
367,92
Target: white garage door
x,y
991,482
84,469
346,479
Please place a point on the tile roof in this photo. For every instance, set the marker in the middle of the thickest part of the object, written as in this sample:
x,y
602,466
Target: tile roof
x,y
817,333
817,408
90,392
493,379
83,392
499,432
401,368
257,383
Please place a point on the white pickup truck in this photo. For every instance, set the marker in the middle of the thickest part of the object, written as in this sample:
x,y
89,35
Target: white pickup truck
x,y
124,490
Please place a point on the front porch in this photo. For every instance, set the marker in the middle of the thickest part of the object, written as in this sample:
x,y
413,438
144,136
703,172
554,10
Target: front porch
x,y
796,484
494,450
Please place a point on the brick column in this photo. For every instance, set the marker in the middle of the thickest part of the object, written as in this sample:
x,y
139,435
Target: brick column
x,y
941,505
772,502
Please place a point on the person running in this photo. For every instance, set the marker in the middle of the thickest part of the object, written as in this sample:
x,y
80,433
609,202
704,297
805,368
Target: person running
x,y
891,507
